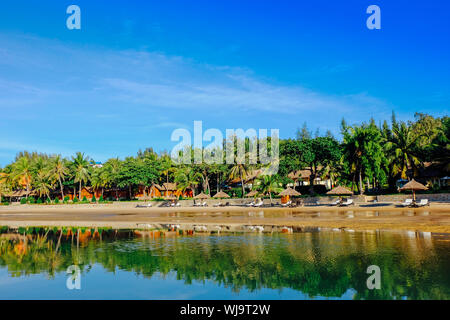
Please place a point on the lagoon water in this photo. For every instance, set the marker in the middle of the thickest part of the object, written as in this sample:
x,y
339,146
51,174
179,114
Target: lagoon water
x,y
307,265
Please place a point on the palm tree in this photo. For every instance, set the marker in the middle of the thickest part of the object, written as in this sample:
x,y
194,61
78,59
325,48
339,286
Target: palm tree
x,y
111,170
22,173
4,187
58,172
42,184
187,179
267,184
80,165
99,179
403,149
241,171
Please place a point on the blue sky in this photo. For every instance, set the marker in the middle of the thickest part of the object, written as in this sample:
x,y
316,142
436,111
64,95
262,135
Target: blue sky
x,y
138,70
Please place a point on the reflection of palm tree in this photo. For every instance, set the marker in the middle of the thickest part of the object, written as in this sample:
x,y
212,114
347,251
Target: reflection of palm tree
x,y
80,166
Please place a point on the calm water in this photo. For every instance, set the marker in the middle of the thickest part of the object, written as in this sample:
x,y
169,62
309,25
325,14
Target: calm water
x,y
316,265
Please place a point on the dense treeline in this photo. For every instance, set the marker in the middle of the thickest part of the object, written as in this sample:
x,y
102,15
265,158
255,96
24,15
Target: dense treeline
x,y
369,156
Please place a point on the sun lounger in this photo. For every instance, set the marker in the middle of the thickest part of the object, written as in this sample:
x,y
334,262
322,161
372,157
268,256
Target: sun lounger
x,y
346,203
423,203
407,203
218,204
148,205
287,204
259,204
204,204
335,203
251,204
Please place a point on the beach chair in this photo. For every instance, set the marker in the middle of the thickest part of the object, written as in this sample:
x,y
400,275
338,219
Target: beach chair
x,y
346,203
148,205
259,204
423,203
251,204
407,203
204,204
335,203
218,204
287,204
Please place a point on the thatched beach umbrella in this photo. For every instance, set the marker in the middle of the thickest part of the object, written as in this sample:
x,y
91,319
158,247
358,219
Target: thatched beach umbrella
x,y
221,194
251,194
340,191
202,196
414,186
289,192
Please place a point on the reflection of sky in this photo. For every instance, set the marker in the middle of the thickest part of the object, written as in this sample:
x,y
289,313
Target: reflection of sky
x,y
100,284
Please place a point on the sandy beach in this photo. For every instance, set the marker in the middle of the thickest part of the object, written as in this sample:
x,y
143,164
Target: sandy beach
x,y
433,218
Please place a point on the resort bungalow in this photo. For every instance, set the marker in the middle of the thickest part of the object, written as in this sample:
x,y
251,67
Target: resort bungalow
x,y
303,177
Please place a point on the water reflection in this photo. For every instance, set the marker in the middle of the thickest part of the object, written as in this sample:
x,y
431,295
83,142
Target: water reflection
x,y
326,263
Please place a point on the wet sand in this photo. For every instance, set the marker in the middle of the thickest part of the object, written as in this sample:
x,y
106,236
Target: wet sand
x,y
433,218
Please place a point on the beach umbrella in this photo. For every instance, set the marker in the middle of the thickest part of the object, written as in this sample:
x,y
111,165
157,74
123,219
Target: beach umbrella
x,y
414,186
251,194
340,191
202,196
221,194
289,192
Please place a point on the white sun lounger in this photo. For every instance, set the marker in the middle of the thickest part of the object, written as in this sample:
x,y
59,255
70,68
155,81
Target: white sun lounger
x,y
335,203
286,204
259,204
407,203
347,203
423,202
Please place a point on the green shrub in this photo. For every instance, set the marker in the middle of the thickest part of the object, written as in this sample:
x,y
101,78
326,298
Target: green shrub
x,y
84,199
56,200
31,200
101,199
94,200
23,201
39,201
75,200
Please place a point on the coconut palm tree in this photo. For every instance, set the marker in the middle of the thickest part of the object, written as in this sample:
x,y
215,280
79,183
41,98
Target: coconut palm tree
x,y
241,171
42,184
22,173
187,179
80,167
58,171
268,184
111,171
403,149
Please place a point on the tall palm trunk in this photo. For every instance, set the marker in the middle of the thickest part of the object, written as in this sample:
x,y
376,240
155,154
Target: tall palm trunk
x,y
62,189
79,194
360,182
242,183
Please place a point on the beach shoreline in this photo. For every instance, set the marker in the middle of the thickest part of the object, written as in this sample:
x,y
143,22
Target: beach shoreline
x,y
433,218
